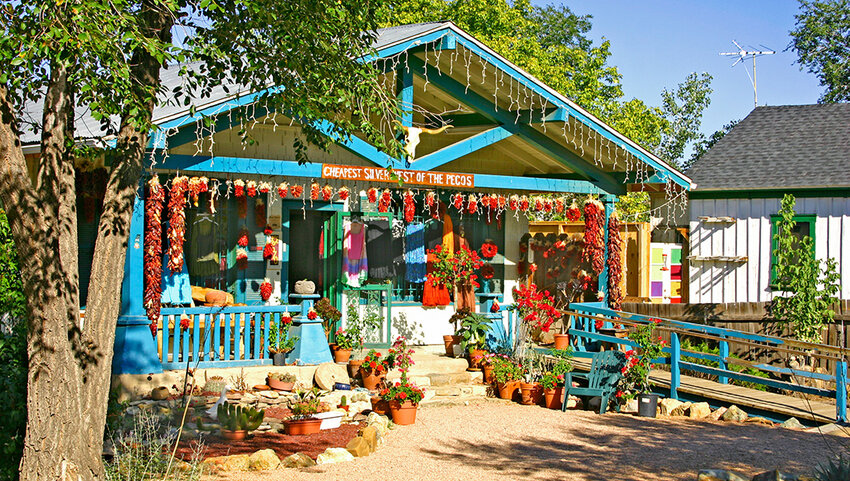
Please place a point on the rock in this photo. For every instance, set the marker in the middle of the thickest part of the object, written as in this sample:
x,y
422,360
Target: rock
x,y
760,420
573,402
734,414
699,411
547,338
667,405
681,409
222,464
160,393
792,423
358,407
329,373
263,460
630,407
269,394
261,387
264,427
334,455
358,447
372,436
774,475
719,475
593,403
715,416
298,460
382,423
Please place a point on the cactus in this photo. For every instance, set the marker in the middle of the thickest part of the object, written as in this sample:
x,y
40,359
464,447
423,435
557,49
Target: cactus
x,y
215,384
239,418
343,401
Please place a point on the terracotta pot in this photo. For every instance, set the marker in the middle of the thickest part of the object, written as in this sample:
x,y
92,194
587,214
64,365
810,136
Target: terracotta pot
x,y
532,393
562,341
488,374
450,342
403,413
354,367
506,390
237,435
301,427
552,397
279,385
380,406
342,355
371,380
476,359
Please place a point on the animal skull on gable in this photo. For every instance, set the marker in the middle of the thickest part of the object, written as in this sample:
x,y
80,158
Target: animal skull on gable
x,y
411,137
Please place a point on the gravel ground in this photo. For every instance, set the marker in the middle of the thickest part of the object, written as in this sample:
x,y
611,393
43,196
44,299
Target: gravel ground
x,y
496,441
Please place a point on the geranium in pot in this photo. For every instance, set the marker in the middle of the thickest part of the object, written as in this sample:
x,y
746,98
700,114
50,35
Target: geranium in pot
x,y
303,407
236,420
473,331
635,380
374,369
346,340
403,398
553,380
280,344
506,374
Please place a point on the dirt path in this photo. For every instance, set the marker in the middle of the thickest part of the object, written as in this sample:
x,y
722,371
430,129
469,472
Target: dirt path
x,y
492,441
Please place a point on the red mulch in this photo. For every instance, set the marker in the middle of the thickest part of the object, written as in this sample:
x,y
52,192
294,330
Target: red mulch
x,y
312,445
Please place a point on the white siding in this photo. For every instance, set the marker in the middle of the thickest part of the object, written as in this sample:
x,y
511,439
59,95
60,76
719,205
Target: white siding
x,y
749,235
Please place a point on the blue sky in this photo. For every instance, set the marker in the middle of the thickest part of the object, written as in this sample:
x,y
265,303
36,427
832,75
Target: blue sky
x,y
657,43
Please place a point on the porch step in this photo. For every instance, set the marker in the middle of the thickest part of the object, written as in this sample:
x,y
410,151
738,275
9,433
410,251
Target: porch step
x,y
460,394
427,360
439,379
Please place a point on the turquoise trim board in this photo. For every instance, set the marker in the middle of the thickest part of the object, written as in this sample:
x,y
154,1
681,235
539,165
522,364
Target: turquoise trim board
x,y
461,148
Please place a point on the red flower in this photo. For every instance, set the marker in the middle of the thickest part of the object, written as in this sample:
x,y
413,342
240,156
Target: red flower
x,y
495,307
402,395
373,364
184,323
532,268
598,324
311,314
489,250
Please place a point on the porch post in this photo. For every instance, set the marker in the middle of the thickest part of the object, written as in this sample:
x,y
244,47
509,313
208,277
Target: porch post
x,y
135,347
608,201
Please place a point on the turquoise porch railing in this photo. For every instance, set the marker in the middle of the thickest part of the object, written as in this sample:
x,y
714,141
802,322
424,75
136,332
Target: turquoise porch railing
x,y
230,336
583,318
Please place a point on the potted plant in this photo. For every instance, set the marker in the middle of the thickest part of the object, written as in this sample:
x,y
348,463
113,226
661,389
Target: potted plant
x,y
473,331
343,404
330,315
302,422
345,342
530,387
553,380
236,420
487,368
279,346
280,381
373,369
635,380
450,341
506,374
403,398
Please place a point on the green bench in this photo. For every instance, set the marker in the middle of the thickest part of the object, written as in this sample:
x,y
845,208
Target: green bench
x,y
605,373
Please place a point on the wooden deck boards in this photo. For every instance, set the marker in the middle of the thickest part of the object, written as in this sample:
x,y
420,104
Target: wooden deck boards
x,y
818,411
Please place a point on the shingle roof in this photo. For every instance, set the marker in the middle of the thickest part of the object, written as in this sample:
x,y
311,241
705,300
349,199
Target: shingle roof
x,y
87,127
797,146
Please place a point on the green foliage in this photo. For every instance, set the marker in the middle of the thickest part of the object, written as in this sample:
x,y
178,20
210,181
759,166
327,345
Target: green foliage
x,y
13,392
554,377
704,347
836,469
12,301
215,384
505,369
809,286
473,330
305,405
237,418
634,207
286,344
635,378
821,38
683,109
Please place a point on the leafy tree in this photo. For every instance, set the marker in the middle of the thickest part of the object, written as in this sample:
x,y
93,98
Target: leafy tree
x,y
702,146
682,109
106,58
821,38
808,286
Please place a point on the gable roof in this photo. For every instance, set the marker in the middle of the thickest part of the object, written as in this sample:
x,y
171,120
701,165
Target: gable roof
x,y
789,146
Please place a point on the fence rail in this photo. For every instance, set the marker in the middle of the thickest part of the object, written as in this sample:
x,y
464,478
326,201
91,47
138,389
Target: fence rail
x,y
218,336
584,317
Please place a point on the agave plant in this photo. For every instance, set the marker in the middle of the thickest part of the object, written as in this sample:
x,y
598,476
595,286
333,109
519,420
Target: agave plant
x,y
837,469
238,418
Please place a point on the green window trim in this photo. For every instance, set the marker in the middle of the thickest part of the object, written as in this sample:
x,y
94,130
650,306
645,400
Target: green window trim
x,y
810,219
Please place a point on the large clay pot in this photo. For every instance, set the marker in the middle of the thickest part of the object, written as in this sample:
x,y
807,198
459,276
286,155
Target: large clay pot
x,y
301,427
237,435
342,355
354,367
279,385
476,359
380,406
450,342
506,390
488,373
552,397
532,393
403,413
371,380
562,341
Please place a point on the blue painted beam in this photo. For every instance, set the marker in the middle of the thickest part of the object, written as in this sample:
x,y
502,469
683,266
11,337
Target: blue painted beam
x,y
253,166
459,149
484,106
358,146
404,86
410,44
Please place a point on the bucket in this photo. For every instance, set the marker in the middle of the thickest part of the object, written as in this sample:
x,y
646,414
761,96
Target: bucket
x,y
647,405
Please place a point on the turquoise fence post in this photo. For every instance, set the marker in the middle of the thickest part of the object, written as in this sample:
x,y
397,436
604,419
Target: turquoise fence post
x,y
724,353
135,348
841,391
312,345
675,358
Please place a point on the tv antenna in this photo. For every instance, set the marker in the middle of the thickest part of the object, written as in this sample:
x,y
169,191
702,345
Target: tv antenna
x,y
742,54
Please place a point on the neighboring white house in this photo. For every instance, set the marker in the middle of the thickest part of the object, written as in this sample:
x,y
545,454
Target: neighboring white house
x,y
803,150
